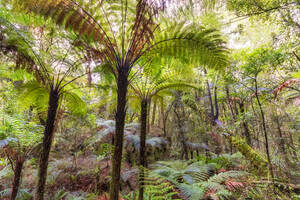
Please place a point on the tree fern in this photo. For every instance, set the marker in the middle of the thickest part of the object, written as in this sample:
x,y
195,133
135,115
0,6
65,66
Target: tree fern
x,y
181,172
156,188
199,181
191,192
138,35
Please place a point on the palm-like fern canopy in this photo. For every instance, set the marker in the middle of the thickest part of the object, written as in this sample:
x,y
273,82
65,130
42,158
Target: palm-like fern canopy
x,y
122,32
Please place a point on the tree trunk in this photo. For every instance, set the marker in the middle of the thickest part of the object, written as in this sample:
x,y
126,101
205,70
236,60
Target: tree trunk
x,y
122,84
148,116
231,112
17,177
210,100
161,113
180,115
281,139
153,113
206,138
256,124
216,116
264,130
210,97
47,142
244,124
166,118
142,147
229,103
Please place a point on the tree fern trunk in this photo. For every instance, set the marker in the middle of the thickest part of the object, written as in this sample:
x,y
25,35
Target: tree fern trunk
x,y
122,83
148,116
17,177
144,107
47,142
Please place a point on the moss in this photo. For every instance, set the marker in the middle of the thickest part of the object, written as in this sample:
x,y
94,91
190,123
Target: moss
x,y
250,154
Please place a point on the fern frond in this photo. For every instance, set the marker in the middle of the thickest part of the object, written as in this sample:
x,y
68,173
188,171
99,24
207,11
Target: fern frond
x,y
192,44
158,188
34,94
191,192
74,103
221,177
66,13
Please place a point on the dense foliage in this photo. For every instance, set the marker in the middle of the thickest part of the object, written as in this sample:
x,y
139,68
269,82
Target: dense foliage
x,y
149,99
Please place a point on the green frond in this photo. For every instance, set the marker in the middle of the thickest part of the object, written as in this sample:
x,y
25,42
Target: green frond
x,y
180,172
191,192
199,181
18,42
156,188
155,79
15,40
224,194
177,85
15,131
74,103
223,176
209,185
66,13
33,94
192,45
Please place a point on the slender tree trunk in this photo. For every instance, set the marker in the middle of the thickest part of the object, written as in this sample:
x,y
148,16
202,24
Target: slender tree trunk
x,y
47,142
209,96
281,139
153,112
206,138
264,130
161,114
166,118
216,116
143,147
244,124
292,145
184,153
180,115
122,84
210,100
282,142
17,177
258,125
231,112
229,103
